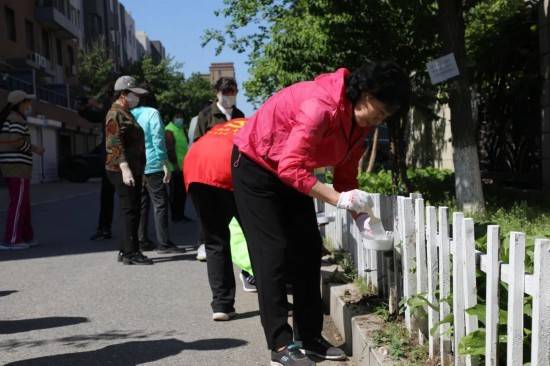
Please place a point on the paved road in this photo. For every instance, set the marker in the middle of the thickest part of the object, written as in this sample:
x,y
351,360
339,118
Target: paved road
x,y
67,302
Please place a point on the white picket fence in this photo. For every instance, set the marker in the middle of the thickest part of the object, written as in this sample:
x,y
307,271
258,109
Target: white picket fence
x,y
428,259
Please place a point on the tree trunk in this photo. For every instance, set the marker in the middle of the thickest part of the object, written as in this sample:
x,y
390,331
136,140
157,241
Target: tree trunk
x,y
396,127
373,151
469,193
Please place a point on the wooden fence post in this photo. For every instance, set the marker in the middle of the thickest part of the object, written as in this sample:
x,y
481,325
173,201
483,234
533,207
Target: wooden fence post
x,y
431,239
492,311
421,267
540,351
516,290
458,277
408,239
444,284
469,280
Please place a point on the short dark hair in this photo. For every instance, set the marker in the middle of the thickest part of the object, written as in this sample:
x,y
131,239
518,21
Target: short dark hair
x,y
385,80
225,84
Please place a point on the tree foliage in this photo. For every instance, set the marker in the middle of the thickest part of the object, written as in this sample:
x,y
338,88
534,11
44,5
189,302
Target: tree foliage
x,y
164,80
95,70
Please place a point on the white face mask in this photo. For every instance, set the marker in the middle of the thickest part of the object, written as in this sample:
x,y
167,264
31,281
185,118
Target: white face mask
x,y
178,122
227,101
132,99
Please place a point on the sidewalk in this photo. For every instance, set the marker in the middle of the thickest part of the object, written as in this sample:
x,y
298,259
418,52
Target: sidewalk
x,y
42,193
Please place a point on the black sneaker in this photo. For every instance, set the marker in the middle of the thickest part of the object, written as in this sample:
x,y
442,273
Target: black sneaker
x,y
101,235
290,356
136,258
147,245
321,348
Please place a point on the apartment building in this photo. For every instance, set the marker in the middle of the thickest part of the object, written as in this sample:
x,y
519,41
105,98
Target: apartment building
x,y
38,53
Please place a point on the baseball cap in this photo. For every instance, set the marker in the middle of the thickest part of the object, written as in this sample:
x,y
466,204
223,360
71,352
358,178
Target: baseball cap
x,y
17,96
128,83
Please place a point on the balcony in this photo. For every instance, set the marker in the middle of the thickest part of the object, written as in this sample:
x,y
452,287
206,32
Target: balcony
x,y
53,18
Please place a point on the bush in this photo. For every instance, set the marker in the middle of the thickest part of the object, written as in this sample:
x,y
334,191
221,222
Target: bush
x,y
435,185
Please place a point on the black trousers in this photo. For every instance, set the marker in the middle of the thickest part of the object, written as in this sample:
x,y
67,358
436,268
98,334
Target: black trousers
x,y
177,196
129,202
154,190
216,208
283,238
106,204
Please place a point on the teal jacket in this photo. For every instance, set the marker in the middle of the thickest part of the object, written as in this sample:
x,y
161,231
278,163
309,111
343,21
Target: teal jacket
x,y
155,147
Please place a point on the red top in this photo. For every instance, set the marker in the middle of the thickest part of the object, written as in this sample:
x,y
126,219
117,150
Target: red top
x,y
208,161
305,126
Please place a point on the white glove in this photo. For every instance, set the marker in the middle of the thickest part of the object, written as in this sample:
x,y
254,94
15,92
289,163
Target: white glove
x,y
355,200
167,174
127,176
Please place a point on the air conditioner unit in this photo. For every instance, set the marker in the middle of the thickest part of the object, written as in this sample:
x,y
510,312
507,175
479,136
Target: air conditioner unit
x,y
43,62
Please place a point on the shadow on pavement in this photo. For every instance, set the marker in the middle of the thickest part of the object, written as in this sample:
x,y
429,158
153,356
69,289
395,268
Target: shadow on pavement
x,y
248,314
132,353
7,293
25,325
172,258
64,228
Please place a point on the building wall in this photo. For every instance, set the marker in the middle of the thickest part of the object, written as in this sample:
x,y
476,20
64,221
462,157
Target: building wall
x,y
36,45
144,41
131,41
223,69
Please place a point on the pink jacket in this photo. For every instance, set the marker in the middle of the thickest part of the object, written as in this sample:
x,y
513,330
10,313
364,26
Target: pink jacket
x,y
305,126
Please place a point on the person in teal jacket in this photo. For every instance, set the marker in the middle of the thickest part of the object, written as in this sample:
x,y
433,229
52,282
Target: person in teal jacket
x,y
155,179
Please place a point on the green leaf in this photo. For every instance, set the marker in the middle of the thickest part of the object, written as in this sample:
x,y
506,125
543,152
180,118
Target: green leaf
x,y
478,310
446,320
473,344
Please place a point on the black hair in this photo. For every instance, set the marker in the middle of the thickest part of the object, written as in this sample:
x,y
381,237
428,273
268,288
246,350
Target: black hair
x,y
118,93
225,84
384,80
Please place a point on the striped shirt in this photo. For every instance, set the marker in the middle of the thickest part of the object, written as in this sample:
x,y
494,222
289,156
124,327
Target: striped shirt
x,y
15,141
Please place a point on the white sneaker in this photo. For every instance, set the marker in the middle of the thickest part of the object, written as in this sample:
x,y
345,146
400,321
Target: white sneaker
x,y
201,253
223,317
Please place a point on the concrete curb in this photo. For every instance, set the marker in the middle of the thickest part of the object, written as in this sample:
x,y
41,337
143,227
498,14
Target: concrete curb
x,y
352,323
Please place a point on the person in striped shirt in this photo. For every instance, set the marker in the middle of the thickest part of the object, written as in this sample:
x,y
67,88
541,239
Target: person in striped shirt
x,y
16,166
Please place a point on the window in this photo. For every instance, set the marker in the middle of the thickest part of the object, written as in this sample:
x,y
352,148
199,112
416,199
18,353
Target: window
x,y
10,24
59,51
46,44
29,33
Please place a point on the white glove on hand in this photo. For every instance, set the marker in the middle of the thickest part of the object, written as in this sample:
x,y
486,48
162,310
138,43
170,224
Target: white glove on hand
x,y
167,174
355,200
127,176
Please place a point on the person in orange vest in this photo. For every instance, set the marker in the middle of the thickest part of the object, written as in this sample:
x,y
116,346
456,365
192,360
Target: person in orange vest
x,y
207,175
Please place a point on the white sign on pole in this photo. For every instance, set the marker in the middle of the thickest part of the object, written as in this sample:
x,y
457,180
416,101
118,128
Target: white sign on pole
x,y
442,68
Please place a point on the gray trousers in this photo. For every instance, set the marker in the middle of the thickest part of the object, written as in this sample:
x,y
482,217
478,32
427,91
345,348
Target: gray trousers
x,y
154,190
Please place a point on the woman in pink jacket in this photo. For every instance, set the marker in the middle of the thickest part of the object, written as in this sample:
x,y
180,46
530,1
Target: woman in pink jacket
x,y
307,125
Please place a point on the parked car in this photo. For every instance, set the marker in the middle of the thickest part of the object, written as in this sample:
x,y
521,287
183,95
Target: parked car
x,y
80,168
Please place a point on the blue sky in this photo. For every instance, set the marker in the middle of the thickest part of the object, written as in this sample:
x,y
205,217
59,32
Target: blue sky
x,y
179,24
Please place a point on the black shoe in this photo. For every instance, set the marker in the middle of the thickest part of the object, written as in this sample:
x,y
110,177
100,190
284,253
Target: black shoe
x,y
136,258
321,348
290,356
147,245
101,235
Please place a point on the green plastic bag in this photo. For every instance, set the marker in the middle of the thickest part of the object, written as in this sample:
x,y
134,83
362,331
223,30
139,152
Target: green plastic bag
x,y
239,250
